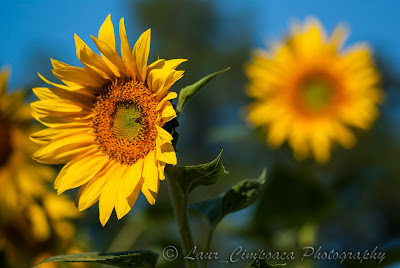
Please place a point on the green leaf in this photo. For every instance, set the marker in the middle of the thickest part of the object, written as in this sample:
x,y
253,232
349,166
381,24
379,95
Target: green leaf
x,y
190,177
187,92
261,263
143,258
240,196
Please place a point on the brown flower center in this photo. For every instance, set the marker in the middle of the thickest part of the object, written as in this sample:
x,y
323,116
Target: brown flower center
x,y
124,121
316,94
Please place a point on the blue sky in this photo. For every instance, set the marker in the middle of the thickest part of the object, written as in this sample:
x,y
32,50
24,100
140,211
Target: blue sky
x,y
48,26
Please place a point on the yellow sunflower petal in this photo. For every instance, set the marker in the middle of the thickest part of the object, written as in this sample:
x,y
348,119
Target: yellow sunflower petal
x,y
150,173
339,36
126,52
309,43
158,64
278,132
132,177
170,96
91,191
58,64
91,60
109,194
344,136
47,153
320,146
166,153
106,45
48,134
157,79
79,171
66,87
121,205
57,120
59,106
161,168
106,32
140,55
134,195
44,93
164,135
124,205
173,64
175,76
150,195
167,113
298,140
76,75
111,57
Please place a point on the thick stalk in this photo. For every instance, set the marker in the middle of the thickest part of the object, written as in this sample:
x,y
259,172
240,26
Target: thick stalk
x,y
181,212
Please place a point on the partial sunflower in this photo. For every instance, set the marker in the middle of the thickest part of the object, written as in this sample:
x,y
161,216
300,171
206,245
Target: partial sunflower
x,y
22,181
309,91
32,219
106,122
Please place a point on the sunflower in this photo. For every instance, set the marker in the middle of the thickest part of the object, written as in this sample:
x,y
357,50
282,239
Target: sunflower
x,y
310,91
105,122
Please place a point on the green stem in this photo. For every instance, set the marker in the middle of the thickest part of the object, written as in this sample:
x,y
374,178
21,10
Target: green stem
x,y
208,243
181,212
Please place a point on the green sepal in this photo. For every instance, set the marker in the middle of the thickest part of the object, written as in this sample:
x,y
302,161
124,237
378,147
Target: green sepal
x,y
142,258
190,177
188,92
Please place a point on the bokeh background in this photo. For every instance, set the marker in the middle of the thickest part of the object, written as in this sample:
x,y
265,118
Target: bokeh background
x,y
351,203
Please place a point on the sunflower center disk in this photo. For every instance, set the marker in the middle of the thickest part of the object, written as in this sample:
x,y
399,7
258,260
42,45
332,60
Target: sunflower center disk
x,y
316,95
127,121
124,121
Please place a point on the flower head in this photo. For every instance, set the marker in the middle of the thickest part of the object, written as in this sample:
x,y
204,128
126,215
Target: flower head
x,y
309,91
105,122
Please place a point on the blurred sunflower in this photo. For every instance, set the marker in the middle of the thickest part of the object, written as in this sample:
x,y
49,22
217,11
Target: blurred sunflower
x,y
309,91
22,180
30,216
106,122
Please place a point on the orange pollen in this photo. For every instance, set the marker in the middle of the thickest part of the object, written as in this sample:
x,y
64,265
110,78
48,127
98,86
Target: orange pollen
x,y
124,121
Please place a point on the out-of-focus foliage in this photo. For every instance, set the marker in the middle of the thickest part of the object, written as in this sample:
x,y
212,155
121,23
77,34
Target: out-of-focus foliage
x,y
348,204
139,259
